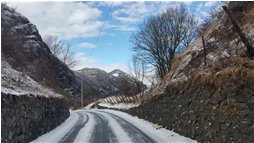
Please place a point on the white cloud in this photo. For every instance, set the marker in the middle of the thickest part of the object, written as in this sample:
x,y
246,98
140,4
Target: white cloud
x,y
66,19
187,2
107,3
210,3
132,12
85,45
204,13
115,3
85,61
122,27
201,5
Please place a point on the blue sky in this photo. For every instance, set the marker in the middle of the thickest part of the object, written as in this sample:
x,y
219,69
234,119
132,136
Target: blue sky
x,y
79,24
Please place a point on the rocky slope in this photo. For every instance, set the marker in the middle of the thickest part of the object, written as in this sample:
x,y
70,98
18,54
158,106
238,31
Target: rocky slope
x,y
221,42
32,89
23,48
212,103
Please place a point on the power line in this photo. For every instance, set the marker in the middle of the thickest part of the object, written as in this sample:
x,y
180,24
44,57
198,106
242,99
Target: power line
x,y
82,84
96,41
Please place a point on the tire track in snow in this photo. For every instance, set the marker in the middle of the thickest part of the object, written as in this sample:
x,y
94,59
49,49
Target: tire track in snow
x,y
137,135
71,135
102,132
118,131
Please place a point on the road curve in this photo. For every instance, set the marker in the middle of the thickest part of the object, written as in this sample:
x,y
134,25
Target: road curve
x,y
102,132
104,126
137,135
71,135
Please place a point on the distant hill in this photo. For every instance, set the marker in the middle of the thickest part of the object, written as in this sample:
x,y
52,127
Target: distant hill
x,y
100,83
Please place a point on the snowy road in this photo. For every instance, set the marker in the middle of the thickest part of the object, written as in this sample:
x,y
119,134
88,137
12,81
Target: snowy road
x,y
108,126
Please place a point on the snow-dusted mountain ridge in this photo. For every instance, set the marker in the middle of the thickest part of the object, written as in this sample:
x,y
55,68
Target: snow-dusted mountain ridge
x,y
100,83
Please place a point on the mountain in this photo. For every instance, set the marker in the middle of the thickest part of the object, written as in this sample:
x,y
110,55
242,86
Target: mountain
x,y
127,84
118,73
24,50
100,83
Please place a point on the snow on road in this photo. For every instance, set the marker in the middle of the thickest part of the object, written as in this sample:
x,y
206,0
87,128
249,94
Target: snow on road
x,y
108,126
58,133
85,133
120,134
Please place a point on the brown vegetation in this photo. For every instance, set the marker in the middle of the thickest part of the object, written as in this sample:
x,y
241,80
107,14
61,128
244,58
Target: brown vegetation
x,y
214,105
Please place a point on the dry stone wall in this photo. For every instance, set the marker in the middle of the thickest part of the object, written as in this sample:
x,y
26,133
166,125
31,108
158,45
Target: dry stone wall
x,y
24,118
204,114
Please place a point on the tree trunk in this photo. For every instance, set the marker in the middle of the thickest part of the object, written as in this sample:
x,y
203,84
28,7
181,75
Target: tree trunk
x,y
250,50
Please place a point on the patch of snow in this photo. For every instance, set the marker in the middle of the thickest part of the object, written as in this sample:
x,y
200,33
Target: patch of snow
x,y
117,129
196,48
10,91
160,135
115,74
89,106
211,40
18,83
225,54
182,65
124,106
179,78
211,56
86,133
58,133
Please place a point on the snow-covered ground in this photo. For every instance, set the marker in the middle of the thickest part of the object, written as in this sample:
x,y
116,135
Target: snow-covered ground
x,y
109,126
117,102
160,134
124,106
18,83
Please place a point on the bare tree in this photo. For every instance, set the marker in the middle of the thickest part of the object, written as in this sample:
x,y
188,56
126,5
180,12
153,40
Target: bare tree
x,y
68,58
137,69
162,36
54,44
60,50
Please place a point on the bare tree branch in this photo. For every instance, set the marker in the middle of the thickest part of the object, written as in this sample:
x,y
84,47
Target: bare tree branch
x,y
60,50
162,36
137,69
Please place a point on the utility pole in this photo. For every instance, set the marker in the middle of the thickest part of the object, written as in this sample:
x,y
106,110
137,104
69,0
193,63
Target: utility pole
x,y
82,90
